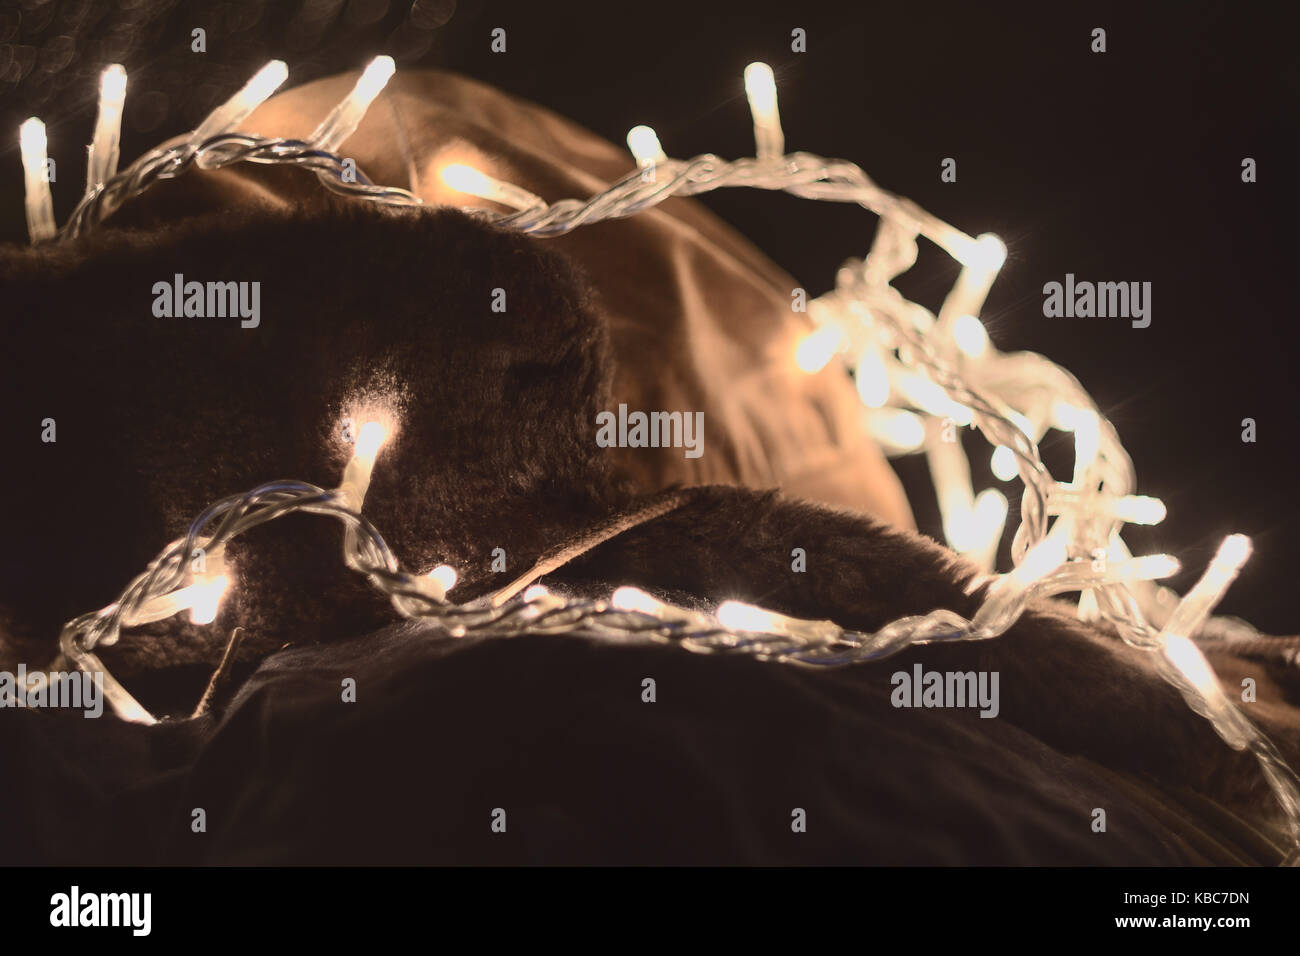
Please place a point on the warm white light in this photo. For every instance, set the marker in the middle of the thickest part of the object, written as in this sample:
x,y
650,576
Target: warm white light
x,y
871,378
237,109
1004,463
897,429
344,119
1041,560
40,204
207,596
102,162
1187,657
738,616
819,347
970,336
932,399
634,599
445,575
644,144
760,89
467,179
370,440
1139,509
356,475
1150,567
985,254
1087,442
1233,552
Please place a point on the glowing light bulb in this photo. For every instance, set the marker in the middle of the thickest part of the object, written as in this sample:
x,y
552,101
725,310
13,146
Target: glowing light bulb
x,y
1087,442
1139,509
738,616
40,204
536,592
970,336
985,254
356,475
207,596
237,109
1150,567
344,119
644,144
1041,560
634,599
871,378
1004,464
819,347
467,179
1187,657
897,429
445,575
760,90
103,157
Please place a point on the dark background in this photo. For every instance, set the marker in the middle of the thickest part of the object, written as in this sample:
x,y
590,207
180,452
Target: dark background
x,y
1123,166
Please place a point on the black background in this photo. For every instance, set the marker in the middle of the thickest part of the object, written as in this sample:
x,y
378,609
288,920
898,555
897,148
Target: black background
x,y
1123,166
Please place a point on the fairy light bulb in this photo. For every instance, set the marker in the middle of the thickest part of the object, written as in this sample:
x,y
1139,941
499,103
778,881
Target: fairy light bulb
x,y
985,254
356,474
896,429
738,616
445,575
207,597
40,204
238,108
817,348
104,147
970,336
1139,509
644,144
344,119
473,182
871,378
760,90
1004,464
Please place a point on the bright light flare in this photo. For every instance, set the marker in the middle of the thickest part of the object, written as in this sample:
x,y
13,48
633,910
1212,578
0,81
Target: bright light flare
x,y
819,347
40,203
760,90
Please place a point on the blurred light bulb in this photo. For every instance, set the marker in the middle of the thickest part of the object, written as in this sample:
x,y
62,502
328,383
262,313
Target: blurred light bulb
x,y
871,378
206,598
970,336
237,109
644,144
39,202
985,254
760,90
738,616
1004,464
445,575
819,347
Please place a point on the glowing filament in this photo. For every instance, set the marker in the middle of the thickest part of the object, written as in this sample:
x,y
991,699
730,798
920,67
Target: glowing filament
x,y
40,204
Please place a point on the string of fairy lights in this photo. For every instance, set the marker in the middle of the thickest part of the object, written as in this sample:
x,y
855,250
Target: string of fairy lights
x,y
922,377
